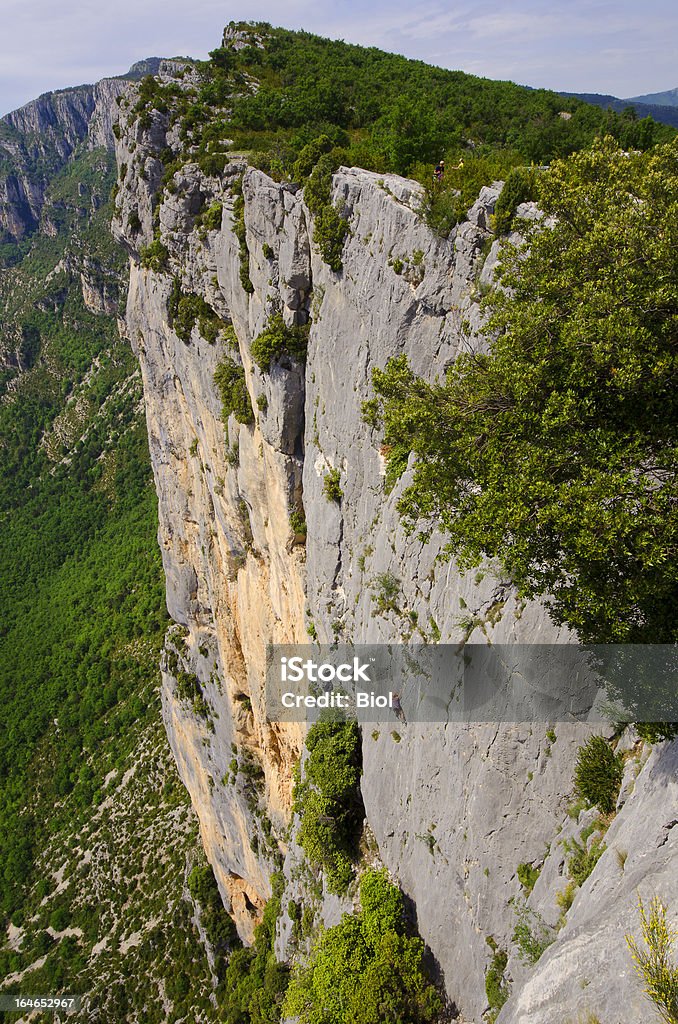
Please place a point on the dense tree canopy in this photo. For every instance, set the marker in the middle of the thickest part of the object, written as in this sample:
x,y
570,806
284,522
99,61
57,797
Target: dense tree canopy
x,y
386,112
366,969
81,579
401,111
555,449
320,103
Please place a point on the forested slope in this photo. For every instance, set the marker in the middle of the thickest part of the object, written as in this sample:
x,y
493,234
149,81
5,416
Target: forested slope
x,y
96,833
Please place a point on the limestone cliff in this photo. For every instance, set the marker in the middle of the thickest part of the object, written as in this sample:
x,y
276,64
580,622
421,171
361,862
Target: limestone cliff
x,y
42,136
454,811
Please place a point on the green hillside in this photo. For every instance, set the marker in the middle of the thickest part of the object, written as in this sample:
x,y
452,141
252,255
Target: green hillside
x,y
386,112
89,790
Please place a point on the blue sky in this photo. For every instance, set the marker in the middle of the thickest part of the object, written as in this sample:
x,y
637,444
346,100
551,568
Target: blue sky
x,y
623,48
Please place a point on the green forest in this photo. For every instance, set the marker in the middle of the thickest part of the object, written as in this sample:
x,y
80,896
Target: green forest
x,y
389,113
80,579
88,789
360,106
320,103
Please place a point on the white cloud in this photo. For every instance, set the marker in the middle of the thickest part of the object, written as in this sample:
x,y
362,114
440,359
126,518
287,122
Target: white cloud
x,y
582,45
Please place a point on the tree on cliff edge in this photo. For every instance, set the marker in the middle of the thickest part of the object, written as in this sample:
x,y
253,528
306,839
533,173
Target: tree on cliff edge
x,y
555,450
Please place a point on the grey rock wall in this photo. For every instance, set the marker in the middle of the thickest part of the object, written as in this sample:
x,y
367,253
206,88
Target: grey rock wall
x,y
588,973
453,810
40,138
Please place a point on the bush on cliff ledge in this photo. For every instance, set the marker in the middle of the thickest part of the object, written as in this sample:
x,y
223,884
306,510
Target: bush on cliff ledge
x,y
598,773
366,969
276,340
229,377
328,800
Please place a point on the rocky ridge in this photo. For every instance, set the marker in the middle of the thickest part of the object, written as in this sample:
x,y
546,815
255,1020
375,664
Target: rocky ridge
x,y
42,136
453,810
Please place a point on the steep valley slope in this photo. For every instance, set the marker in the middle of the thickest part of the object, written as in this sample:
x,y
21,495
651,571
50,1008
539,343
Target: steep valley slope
x,y
98,837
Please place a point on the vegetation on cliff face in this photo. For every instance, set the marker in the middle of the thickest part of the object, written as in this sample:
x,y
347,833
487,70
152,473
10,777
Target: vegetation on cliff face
x,y
555,451
390,113
366,969
254,983
229,378
654,960
576,381
277,340
328,800
295,101
330,228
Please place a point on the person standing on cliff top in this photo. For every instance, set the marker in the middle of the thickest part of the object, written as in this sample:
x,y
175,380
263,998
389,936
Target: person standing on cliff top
x,y
439,170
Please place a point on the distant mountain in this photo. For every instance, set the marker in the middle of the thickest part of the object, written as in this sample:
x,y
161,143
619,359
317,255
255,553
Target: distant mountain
x,y
666,113
42,137
669,98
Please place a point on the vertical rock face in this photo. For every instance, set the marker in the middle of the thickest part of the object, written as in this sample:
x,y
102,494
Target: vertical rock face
x,y
454,810
39,138
235,578
234,582
588,972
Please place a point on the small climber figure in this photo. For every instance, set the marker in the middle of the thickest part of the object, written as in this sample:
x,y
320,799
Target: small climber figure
x,y
398,708
439,170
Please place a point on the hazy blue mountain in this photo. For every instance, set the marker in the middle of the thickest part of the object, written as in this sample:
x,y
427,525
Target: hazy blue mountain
x,y
668,98
666,113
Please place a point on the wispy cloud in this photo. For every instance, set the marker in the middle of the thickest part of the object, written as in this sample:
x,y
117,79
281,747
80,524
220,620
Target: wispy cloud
x,y
582,45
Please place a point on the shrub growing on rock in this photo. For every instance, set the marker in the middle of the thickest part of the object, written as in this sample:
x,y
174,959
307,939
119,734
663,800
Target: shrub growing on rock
x,y
276,340
366,969
598,773
229,377
219,927
519,187
187,309
240,233
154,256
330,228
212,216
332,485
254,981
328,801
497,989
655,732
654,967
386,592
